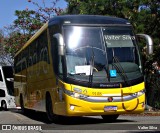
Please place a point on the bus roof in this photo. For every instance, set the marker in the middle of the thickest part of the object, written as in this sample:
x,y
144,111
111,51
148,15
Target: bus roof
x,y
87,19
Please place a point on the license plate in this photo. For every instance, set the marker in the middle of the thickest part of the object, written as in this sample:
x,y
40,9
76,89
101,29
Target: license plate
x,y
110,108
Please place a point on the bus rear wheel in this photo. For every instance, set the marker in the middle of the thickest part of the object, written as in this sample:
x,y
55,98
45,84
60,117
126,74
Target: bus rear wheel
x,y
110,118
49,110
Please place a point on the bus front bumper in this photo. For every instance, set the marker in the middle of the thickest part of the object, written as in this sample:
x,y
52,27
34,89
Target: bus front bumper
x,y
78,107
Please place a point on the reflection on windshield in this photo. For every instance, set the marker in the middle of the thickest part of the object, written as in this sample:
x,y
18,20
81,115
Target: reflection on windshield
x,y
82,57
91,51
81,44
120,43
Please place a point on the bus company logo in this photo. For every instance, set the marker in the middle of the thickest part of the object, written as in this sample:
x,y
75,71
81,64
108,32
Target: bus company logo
x,y
6,127
110,99
84,91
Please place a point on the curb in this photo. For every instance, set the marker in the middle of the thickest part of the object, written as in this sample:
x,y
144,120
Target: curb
x,y
145,113
151,112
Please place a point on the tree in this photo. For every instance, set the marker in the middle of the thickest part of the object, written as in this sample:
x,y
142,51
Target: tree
x,y
5,59
47,12
28,21
26,24
14,42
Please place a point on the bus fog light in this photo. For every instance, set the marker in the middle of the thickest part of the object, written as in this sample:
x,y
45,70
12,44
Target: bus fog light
x,y
72,107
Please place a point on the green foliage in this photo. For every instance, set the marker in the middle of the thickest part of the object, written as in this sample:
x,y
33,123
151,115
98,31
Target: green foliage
x,y
14,42
27,21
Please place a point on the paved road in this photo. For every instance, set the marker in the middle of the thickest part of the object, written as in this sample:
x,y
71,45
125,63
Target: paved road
x,y
95,124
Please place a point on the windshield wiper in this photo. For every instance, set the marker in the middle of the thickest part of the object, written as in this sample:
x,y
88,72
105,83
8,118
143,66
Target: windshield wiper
x,y
120,69
91,69
72,74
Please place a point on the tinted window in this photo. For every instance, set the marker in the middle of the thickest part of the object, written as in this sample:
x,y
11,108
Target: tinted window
x,y
1,79
8,75
2,93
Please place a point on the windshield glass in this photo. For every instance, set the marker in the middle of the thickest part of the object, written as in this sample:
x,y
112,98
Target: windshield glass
x,y
120,42
122,53
94,51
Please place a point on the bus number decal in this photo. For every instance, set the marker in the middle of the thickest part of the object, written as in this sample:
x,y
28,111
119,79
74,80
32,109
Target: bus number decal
x,y
97,93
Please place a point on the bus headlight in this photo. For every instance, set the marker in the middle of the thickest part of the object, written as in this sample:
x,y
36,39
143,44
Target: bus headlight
x,y
75,94
137,94
79,96
141,92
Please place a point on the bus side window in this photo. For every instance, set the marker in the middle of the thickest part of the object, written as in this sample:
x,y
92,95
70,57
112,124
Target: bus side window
x,y
1,79
2,93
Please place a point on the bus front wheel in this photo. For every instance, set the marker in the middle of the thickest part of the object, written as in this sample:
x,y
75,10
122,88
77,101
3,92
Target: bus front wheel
x,y
49,110
110,118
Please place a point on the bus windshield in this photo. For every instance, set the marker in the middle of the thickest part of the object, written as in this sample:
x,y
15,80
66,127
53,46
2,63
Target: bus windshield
x,y
94,51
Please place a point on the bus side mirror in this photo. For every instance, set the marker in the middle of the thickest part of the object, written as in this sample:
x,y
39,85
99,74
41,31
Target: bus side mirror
x,y
10,79
61,45
149,42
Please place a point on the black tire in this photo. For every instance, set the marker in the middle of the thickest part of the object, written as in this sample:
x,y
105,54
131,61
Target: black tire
x,y
49,110
110,118
4,105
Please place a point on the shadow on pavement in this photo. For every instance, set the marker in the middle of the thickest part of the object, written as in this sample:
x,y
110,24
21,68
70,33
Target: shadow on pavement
x,y
42,117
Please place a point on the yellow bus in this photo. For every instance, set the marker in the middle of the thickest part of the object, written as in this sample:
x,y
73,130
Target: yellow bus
x,y
81,65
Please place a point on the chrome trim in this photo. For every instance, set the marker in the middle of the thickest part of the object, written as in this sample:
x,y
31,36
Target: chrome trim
x,y
105,98
149,42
